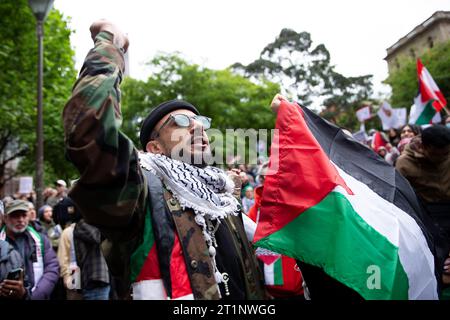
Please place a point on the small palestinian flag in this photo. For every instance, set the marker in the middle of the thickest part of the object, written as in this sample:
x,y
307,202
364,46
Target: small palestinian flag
x,y
273,267
334,204
429,101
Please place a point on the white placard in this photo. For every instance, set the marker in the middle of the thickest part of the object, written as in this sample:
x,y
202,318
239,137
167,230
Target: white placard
x,y
363,114
25,185
391,118
400,114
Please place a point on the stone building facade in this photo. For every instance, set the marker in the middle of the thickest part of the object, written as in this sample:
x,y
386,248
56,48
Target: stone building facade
x,y
436,29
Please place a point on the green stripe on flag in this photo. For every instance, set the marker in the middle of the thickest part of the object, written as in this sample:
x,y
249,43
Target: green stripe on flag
x,y
331,235
38,238
427,114
138,257
278,272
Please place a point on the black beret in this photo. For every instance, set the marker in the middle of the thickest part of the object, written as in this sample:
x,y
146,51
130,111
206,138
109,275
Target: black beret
x,y
158,113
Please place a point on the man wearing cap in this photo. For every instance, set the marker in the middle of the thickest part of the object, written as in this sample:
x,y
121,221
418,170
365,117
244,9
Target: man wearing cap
x,y
61,193
10,260
173,226
40,263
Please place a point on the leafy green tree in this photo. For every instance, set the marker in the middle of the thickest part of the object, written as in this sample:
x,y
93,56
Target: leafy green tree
x,y
305,73
404,80
18,81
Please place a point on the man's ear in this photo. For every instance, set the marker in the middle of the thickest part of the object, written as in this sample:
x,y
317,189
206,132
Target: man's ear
x,y
154,146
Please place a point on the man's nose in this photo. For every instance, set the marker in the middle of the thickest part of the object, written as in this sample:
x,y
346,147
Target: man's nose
x,y
196,125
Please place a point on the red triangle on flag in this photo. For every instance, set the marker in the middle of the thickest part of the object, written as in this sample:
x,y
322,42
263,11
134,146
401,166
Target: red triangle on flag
x,y
269,259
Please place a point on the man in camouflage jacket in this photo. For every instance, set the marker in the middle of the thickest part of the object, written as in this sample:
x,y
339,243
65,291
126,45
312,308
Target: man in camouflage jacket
x,y
154,244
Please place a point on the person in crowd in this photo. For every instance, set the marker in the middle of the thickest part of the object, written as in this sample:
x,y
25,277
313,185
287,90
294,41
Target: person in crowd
x,y
65,212
394,137
11,262
245,181
48,194
31,211
52,230
40,263
64,215
95,278
425,163
248,200
402,144
409,131
167,194
61,192
382,152
70,270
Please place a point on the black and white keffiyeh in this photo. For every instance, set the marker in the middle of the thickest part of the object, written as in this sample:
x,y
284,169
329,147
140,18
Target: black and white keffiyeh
x,y
207,191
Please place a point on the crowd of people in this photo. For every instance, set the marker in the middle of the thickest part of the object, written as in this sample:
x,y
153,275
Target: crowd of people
x,y
47,253
421,155
150,225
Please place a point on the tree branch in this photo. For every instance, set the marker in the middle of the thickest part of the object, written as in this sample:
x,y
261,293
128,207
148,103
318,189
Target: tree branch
x,y
5,140
20,153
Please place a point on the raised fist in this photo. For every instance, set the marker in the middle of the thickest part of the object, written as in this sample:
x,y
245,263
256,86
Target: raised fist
x,y
276,101
120,39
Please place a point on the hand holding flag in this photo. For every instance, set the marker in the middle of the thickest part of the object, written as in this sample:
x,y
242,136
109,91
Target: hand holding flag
x,y
276,101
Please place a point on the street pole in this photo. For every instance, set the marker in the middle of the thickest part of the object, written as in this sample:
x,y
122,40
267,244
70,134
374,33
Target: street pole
x,y
40,120
40,9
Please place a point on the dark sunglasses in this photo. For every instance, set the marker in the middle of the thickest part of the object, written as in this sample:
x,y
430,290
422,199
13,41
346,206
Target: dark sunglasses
x,y
184,121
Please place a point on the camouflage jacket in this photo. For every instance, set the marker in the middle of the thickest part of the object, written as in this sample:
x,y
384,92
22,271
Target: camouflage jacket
x,y
112,191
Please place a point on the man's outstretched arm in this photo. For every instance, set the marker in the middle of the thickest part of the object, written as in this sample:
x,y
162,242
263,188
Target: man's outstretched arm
x,y
110,183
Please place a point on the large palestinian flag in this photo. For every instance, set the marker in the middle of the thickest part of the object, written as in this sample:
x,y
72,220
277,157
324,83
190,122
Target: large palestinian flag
x,y
334,204
429,101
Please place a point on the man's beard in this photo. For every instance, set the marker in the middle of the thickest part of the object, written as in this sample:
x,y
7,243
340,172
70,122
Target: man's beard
x,y
199,159
16,230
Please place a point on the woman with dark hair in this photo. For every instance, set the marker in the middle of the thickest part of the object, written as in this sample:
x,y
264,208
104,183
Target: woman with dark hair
x,y
409,131
394,137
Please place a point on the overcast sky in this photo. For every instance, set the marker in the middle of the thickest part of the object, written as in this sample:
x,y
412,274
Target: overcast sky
x,y
216,33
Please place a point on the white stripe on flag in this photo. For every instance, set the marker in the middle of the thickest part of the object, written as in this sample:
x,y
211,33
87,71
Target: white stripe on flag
x,y
149,290
428,81
186,297
401,230
270,272
249,226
